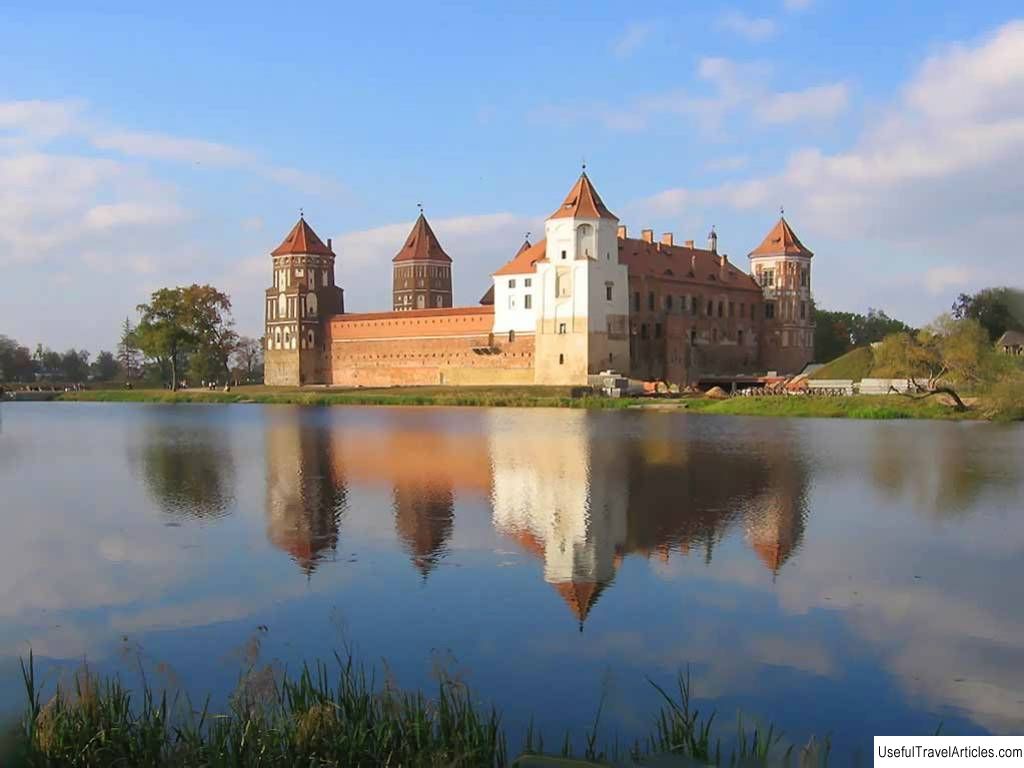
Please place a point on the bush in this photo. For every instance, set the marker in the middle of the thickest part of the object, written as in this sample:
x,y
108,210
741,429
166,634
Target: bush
x,y
1005,400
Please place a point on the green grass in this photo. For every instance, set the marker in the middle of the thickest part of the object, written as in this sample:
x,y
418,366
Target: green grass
x,y
855,407
492,397
855,365
340,717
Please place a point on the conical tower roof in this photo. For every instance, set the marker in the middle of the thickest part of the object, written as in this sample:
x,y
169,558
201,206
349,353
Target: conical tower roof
x,y
422,244
583,202
781,241
302,239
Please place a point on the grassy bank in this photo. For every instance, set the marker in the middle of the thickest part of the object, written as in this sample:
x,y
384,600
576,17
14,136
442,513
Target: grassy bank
x,y
858,407
490,397
855,407
339,717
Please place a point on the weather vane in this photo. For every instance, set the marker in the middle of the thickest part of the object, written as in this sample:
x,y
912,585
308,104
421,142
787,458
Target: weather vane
x,y
301,214
782,210
583,162
420,206
527,236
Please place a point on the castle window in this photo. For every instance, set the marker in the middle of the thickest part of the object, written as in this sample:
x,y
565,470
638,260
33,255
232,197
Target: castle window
x,y
711,308
325,278
511,336
803,310
563,255
636,301
668,302
657,330
643,330
769,309
438,300
511,302
768,278
650,300
743,310
512,283
803,277
527,301
720,308
739,338
561,328
527,282
693,336
561,359
732,309
693,306
608,291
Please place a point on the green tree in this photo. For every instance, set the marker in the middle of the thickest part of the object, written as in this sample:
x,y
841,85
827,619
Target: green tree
x,y
128,355
836,333
997,309
16,363
74,365
249,358
166,331
216,339
105,367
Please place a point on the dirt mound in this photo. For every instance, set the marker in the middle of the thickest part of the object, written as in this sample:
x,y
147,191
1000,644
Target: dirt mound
x,y
716,393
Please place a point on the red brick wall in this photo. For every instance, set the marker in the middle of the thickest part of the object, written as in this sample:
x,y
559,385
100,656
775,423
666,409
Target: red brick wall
x,y
450,346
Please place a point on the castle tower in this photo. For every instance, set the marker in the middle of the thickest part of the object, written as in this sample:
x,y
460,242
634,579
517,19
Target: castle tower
x,y
422,271
781,264
298,304
582,317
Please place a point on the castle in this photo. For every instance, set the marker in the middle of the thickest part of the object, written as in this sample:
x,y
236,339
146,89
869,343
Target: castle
x,y
585,299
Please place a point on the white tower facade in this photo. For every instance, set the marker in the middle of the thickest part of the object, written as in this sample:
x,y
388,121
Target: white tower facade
x,y
581,292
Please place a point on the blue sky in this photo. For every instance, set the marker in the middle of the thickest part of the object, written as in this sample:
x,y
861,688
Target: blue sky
x,y
141,148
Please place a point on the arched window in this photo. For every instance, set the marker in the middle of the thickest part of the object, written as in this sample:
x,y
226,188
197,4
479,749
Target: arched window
x,y
511,336
650,300
585,241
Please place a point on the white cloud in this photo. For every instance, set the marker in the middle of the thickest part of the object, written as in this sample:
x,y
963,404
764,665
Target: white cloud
x,y
633,37
748,27
106,217
941,163
823,102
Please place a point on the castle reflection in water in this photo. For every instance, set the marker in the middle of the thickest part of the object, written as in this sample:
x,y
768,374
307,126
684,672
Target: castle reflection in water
x,y
577,502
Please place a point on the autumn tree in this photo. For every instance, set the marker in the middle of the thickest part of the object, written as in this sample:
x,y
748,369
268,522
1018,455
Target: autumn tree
x,y
249,357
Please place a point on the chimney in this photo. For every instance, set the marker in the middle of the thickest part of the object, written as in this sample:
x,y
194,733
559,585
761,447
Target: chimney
x,y
622,232
723,260
329,245
688,243
666,239
647,235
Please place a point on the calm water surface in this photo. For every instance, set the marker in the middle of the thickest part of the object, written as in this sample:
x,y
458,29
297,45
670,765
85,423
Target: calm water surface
x,y
843,578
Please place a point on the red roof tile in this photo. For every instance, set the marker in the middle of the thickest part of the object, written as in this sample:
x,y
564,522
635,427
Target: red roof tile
x,y
583,202
302,239
677,262
781,241
523,262
422,244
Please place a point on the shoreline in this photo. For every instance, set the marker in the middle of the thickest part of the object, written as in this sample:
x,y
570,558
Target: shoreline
x,y
878,407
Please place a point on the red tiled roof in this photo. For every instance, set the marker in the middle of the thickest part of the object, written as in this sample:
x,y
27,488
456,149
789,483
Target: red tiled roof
x,y
781,241
302,239
580,596
422,244
523,262
674,262
583,202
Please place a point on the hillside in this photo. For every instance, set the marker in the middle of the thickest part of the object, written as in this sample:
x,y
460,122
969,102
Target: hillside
x,y
855,365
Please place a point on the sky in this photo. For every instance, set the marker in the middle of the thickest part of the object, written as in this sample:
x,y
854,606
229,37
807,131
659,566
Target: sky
x,y
143,146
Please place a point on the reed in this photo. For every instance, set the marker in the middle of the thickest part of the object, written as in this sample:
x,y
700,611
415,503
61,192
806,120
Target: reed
x,y
341,717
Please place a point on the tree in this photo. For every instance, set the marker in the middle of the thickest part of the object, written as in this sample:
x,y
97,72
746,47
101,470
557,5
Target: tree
x,y
947,353
249,357
997,309
165,332
191,324
216,339
836,333
128,355
105,367
16,362
74,365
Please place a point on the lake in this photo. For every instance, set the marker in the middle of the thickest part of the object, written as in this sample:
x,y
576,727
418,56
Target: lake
x,y
842,578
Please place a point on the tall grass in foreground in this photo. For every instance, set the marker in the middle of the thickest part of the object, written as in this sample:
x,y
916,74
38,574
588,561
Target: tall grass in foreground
x,y
321,718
